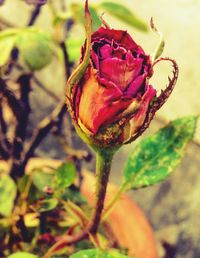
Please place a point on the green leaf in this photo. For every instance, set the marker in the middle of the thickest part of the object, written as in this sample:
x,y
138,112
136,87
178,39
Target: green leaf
x,y
6,45
97,253
36,48
22,255
158,155
45,205
42,179
74,195
123,13
74,48
8,192
78,13
65,175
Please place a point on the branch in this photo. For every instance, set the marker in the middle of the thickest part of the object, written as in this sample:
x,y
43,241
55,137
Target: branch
x,y
39,83
12,100
34,14
66,59
6,23
41,86
43,129
4,154
5,144
20,130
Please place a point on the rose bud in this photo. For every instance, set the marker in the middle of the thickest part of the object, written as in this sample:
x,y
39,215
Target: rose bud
x,y
113,98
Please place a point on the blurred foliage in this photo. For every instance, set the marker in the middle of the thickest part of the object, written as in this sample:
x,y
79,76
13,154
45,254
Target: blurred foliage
x,y
8,191
123,13
42,191
22,255
37,47
97,253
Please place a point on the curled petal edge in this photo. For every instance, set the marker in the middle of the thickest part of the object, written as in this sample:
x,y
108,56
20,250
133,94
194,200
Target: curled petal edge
x,y
161,99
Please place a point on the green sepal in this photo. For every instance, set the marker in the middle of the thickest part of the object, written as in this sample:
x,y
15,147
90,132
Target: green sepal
x,y
160,47
79,71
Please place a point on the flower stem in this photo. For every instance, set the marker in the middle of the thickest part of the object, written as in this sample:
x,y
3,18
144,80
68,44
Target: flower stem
x,y
103,165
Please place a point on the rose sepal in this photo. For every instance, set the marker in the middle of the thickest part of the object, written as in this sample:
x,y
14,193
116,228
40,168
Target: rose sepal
x,y
77,74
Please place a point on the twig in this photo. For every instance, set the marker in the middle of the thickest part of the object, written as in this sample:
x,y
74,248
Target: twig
x,y
45,89
34,14
20,130
39,83
66,59
12,100
3,124
5,144
67,74
4,154
6,23
43,129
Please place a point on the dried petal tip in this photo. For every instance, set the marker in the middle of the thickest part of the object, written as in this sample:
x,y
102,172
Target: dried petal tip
x,y
106,25
160,100
160,47
88,21
86,7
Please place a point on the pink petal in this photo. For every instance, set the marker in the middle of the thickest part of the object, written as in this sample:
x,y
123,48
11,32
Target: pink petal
x,y
119,52
106,51
113,69
121,72
135,86
118,36
99,105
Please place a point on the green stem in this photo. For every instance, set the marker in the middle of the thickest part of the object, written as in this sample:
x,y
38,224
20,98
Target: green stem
x,y
103,165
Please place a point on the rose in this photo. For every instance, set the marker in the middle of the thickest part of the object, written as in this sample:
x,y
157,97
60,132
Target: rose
x,y
112,102
115,85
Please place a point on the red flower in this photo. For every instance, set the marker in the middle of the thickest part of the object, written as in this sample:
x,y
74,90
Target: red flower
x,y
109,97
115,84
